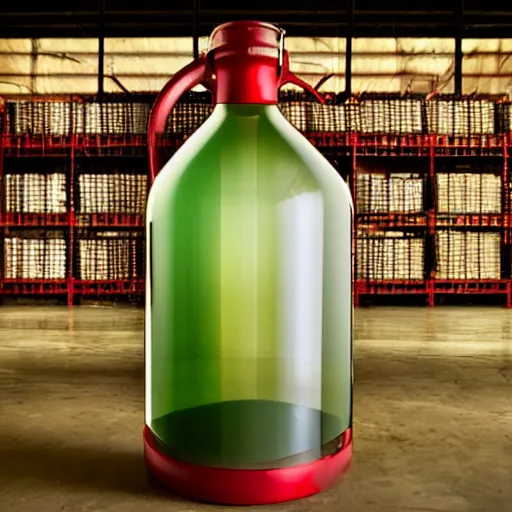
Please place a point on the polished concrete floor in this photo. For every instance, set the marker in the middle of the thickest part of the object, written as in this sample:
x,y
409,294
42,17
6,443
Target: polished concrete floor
x,y
433,413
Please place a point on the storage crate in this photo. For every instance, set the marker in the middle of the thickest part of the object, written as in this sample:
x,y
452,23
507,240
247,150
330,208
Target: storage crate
x,y
390,256
461,193
390,193
336,116
110,255
463,254
392,116
116,118
39,117
112,193
35,193
465,117
298,108
189,114
35,255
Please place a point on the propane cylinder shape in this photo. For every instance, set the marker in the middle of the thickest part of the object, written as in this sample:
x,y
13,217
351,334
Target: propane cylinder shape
x,y
249,290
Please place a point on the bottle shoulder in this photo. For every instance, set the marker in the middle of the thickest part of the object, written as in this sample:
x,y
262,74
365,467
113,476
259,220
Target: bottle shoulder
x,y
260,144
315,162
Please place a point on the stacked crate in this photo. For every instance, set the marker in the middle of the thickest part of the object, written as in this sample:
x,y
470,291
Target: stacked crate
x,y
410,224
105,254
461,117
47,118
35,193
390,211
117,118
110,190
118,193
191,112
39,255
385,254
299,110
391,115
110,255
464,250
390,256
390,193
468,255
468,193
37,189
337,115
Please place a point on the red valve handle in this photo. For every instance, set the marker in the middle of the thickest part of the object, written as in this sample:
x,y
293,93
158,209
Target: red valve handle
x,y
187,78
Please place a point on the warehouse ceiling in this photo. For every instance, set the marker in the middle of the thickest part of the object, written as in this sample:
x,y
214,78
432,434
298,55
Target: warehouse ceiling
x,y
367,18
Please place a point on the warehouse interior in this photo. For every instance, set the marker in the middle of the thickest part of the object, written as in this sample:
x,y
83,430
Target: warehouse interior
x,y
417,119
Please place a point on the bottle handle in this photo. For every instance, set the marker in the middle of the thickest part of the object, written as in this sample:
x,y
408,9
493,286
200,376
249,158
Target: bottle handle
x,y
287,77
187,78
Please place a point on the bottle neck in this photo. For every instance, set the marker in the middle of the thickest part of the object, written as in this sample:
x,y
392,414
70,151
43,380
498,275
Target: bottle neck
x,y
246,81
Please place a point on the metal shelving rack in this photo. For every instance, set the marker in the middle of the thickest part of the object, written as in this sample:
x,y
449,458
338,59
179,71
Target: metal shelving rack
x,y
435,149
349,149
432,152
41,151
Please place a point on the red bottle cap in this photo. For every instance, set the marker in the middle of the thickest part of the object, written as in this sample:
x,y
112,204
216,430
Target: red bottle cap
x,y
240,35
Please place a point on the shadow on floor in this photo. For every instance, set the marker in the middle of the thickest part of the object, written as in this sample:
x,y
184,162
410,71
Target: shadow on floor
x,y
78,468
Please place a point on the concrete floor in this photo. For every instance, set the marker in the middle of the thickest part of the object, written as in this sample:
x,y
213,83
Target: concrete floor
x,y
433,413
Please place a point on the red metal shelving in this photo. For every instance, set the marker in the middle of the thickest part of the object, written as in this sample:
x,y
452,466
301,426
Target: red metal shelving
x,y
426,148
109,287
329,140
392,145
392,287
364,288
109,220
494,220
391,220
19,287
36,145
71,147
474,287
41,220
476,145
434,147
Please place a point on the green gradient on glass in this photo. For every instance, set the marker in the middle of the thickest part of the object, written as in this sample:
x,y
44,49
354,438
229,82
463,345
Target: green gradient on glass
x,y
250,294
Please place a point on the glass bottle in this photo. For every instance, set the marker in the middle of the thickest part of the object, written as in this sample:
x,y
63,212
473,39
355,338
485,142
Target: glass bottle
x,y
249,290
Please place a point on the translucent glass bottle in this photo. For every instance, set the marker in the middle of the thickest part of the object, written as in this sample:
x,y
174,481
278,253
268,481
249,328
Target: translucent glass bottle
x,y
249,291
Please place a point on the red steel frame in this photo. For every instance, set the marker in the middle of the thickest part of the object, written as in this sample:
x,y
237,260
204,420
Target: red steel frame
x,y
37,147
435,147
356,145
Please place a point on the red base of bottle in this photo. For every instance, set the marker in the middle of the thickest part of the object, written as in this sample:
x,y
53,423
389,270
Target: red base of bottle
x,y
246,487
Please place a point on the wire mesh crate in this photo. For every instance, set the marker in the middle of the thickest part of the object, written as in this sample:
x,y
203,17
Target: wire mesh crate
x,y
191,111
39,117
465,117
110,255
35,193
298,108
112,193
390,256
390,193
336,115
465,255
35,255
110,118
391,115
502,115
466,193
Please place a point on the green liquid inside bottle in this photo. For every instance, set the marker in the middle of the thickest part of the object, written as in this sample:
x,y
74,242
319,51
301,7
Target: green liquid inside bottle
x,y
249,300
